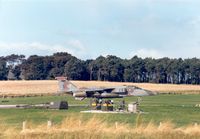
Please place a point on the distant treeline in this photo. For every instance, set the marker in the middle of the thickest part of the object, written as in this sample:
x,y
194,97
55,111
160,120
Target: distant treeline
x,y
109,68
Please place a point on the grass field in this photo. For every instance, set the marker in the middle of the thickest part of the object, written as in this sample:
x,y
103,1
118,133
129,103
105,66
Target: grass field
x,y
174,111
50,87
178,108
96,128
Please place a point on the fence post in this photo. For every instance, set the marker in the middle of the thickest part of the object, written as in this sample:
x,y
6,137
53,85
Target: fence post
x,y
116,125
79,123
24,125
160,125
49,124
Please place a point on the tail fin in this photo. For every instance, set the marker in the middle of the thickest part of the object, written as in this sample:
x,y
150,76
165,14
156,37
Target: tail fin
x,y
65,85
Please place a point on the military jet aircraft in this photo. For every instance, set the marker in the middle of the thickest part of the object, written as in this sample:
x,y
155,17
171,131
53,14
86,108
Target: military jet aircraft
x,y
65,86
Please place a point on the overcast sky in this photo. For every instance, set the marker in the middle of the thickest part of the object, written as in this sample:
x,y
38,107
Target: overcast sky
x,y
89,28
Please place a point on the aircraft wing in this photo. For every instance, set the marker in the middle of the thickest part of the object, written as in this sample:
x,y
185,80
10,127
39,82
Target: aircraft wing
x,y
97,93
108,90
99,90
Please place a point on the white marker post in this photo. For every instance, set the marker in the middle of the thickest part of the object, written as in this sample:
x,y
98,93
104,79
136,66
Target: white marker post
x,y
49,124
24,125
116,125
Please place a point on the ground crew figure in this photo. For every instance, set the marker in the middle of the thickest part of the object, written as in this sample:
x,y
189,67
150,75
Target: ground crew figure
x,y
122,105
